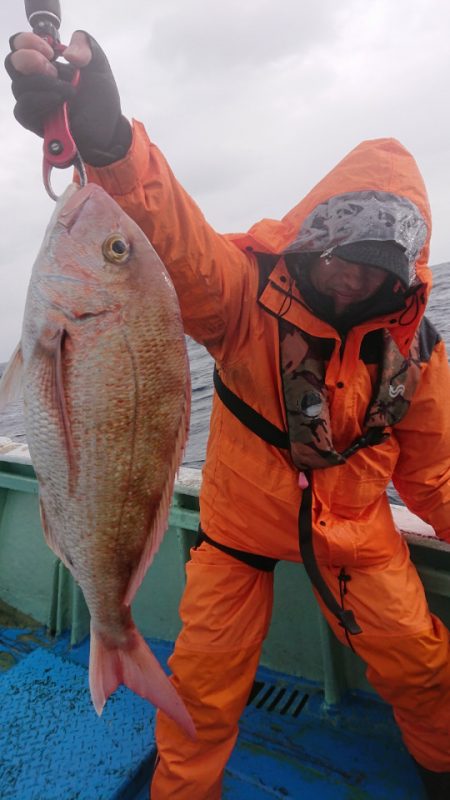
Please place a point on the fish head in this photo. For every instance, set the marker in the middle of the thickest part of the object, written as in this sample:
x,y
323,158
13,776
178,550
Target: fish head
x,y
94,257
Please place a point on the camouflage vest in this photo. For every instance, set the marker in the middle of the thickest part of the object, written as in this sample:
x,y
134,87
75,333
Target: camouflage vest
x,y
305,394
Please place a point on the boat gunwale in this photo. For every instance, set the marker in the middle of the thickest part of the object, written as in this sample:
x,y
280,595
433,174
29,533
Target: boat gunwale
x,y
188,482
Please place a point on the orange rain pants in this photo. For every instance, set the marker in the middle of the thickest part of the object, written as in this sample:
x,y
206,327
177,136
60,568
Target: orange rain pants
x,y
226,610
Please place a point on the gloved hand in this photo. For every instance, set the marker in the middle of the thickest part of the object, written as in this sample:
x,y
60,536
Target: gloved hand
x,y
101,133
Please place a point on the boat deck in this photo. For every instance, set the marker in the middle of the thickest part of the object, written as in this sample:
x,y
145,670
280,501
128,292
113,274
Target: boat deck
x,y
321,736
292,746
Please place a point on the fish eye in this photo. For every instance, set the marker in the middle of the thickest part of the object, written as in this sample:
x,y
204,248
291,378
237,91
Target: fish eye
x,y
116,249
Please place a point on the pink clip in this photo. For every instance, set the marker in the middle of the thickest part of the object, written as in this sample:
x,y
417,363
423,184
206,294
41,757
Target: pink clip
x,y
60,149
302,480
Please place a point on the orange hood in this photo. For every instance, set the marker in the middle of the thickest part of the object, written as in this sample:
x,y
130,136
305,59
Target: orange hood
x,y
377,174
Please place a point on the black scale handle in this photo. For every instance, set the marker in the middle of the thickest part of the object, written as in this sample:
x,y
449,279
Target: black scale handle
x,y
44,17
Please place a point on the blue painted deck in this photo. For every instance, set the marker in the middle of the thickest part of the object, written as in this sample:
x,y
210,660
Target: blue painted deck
x,y
291,747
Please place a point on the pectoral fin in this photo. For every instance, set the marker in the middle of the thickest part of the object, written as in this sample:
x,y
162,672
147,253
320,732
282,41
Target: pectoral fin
x,y
60,397
49,355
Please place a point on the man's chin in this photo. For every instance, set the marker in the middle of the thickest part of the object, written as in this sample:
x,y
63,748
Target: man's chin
x,y
343,303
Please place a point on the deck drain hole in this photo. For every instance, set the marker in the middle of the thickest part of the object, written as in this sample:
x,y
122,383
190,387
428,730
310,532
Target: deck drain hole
x,y
292,697
301,705
262,702
279,695
280,699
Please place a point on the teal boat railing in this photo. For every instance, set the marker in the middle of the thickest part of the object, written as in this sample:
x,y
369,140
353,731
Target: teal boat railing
x,y
299,643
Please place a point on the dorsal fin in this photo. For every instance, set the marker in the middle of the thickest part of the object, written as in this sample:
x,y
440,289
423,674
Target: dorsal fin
x,y
11,383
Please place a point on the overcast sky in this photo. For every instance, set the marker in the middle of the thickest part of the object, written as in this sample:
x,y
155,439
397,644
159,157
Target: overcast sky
x,y
252,101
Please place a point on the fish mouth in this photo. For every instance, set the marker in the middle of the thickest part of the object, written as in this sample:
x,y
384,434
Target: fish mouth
x,y
73,207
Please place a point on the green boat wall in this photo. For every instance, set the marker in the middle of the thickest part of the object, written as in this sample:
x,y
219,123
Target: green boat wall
x,y
300,643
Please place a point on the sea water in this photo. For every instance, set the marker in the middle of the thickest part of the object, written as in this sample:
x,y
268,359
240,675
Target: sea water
x,y
12,423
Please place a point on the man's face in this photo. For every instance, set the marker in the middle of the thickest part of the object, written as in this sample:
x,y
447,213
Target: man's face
x,y
345,282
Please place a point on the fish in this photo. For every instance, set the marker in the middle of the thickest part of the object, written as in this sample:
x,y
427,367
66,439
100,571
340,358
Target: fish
x,y
103,368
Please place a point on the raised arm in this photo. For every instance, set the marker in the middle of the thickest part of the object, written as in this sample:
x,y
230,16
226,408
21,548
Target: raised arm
x,y
213,278
422,474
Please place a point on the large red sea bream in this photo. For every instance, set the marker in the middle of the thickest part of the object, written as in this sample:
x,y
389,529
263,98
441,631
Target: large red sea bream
x,y
106,388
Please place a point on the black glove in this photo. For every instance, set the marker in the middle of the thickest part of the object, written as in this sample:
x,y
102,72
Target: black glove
x,y
101,133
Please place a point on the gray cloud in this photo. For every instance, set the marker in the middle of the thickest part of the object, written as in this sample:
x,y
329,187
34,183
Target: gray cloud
x,y
252,102
228,36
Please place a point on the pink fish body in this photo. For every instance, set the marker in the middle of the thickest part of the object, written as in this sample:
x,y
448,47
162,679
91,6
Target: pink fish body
x,y
106,389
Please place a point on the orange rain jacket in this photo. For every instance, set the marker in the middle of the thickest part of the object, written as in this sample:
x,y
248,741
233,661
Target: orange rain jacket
x,y
250,495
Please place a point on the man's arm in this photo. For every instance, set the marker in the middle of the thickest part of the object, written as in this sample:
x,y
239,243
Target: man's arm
x,y
422,474
216,283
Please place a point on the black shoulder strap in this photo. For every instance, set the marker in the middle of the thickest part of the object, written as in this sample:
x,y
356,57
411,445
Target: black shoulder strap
x,y
249,417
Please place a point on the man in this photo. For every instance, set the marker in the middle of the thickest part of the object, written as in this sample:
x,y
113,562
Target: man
x,y
330,382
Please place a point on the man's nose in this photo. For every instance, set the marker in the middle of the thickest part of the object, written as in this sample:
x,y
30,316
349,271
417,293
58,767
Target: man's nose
x,y
352,275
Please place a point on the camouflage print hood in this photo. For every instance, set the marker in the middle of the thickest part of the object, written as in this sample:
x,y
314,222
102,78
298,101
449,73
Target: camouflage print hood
x,y
361,216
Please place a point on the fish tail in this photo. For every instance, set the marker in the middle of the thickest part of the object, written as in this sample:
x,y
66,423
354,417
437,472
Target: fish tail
x,y
135,666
